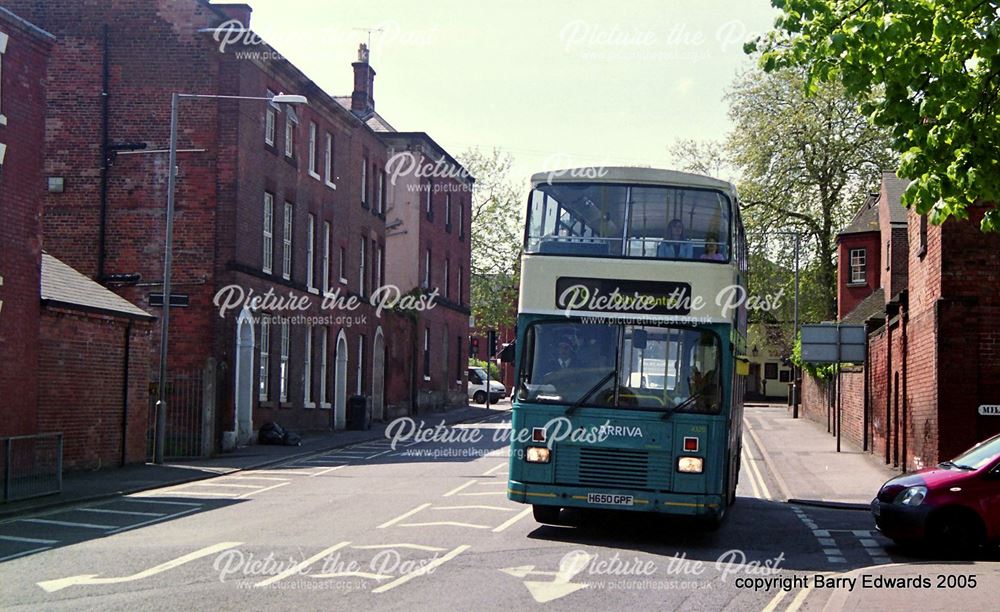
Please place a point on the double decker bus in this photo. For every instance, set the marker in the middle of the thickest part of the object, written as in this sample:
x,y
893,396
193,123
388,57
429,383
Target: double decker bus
x,y
631,343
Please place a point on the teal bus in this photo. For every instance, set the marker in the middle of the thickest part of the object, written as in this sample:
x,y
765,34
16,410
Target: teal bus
x,y
630,349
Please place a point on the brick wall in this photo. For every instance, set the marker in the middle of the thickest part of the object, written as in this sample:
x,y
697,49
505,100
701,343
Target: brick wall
x,y
81,377
21,188
819,403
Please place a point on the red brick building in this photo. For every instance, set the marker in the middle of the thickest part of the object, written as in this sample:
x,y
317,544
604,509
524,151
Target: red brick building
x,y
270,199
933,344
24,53
429,249
75,356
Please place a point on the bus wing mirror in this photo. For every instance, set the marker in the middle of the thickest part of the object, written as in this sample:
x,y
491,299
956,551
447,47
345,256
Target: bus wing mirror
x,y
507,354
742,366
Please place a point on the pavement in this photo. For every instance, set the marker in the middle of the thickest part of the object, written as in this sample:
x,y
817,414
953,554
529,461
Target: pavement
x,y
89,486
804,464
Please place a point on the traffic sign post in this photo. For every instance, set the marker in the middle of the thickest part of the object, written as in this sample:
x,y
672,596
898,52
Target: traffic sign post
x,y
834,343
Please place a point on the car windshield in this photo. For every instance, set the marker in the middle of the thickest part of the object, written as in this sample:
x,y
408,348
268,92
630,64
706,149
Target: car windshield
x,y
477,376
628,221
622,366
979,455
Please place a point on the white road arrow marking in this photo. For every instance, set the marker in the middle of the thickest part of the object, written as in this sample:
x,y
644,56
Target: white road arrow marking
x,y
560,586
52,586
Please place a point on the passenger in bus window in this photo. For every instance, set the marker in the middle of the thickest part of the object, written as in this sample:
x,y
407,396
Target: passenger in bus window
x,y
675,245
711,251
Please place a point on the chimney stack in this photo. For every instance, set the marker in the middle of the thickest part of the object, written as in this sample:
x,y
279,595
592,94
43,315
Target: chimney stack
x,y
363,98
239,12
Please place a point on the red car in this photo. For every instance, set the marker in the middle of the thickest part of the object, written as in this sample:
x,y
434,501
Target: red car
x,y
954,506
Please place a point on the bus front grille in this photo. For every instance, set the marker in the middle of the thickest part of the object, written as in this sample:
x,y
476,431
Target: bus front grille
x,y
611,467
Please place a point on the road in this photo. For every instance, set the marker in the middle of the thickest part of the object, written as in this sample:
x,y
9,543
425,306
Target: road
x,y
427,525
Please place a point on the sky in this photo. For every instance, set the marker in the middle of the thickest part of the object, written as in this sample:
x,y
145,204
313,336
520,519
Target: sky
x,y
556,84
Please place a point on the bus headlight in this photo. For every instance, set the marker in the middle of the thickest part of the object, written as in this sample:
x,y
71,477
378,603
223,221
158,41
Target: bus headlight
x,y
537,454
691,465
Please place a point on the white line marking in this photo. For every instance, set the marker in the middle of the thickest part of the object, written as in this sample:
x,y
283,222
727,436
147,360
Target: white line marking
x,y
445,524
773,604
459,488
499,508
494,469
753,482
402,517
378,577
782,487
797,602
185,493
327,470
126,512
483,493
512,520
23,553
412,546
153,500
422,569
300,566
249,493
760,477
27,540
378,454
50,586
284,472
226,484
66,523
260,478
155,520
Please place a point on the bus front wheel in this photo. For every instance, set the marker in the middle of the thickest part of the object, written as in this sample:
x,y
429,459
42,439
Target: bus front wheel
x,y
546,514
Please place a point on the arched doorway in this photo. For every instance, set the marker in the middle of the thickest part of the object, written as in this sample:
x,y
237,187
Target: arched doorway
x,y
243,379
378,376
340,383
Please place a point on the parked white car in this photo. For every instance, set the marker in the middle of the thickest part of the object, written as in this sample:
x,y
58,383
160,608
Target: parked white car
x,y
477,387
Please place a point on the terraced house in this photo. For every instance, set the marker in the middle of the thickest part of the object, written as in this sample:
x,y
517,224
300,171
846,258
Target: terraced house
x,y
271,199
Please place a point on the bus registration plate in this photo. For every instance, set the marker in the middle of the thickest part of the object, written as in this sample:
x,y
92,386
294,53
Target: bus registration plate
x,y
609,500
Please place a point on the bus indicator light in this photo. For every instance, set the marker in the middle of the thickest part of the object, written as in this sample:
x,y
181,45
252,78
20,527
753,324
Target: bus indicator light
x,y
690,445
538,434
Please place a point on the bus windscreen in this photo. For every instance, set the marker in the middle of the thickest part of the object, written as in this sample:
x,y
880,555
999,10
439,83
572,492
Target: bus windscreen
x,y
622,366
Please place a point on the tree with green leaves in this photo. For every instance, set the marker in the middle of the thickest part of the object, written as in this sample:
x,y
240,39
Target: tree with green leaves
x,y
804,164
496,237
930,74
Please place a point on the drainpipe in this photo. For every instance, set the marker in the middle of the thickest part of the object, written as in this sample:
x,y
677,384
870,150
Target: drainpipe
x,y
125,383
888,384
904,316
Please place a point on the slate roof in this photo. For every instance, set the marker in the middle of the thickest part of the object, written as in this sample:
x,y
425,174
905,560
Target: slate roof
x,y
64,286
376,121
866,219
894,188
872,305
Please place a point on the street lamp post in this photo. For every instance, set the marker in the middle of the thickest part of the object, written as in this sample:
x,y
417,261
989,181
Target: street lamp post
x,y
161,401
795,322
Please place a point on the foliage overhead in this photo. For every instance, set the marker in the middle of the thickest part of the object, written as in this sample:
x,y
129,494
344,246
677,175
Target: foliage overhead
x,y
805,164
931,71
496,237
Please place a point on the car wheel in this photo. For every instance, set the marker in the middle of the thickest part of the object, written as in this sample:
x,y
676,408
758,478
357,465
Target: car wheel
x,y
548,515
479,397
955,532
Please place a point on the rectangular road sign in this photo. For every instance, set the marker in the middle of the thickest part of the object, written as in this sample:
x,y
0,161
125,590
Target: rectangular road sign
x,y
820,343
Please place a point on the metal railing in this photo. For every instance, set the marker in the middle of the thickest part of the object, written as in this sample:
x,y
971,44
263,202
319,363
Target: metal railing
x,y
31,465
184,418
